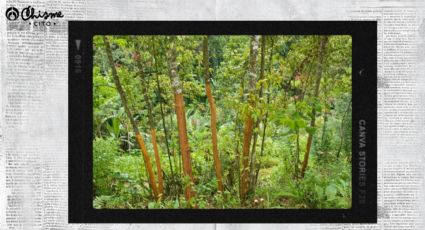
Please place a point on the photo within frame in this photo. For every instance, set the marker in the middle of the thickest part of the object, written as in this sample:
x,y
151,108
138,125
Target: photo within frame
x,y
222,122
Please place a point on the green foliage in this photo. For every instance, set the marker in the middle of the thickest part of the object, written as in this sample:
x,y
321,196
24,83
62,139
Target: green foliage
x,y
104,152
117,176
321,187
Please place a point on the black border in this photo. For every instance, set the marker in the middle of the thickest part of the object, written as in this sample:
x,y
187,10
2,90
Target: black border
x,y
364,35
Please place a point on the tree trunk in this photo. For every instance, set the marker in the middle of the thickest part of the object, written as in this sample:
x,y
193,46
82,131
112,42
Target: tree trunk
x,y
263,136
181,118
297,156
323,43
249,121
177,160
325,119
151,124
341,130
238,129
139,137
217,162
327,111
161,101
257,123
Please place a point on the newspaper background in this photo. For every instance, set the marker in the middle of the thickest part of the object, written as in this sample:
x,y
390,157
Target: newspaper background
x,y
34,103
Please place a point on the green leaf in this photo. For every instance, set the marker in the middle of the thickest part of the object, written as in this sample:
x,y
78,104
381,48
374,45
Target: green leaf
x,y
319,191
176,204
331,191
151,205
116,126
202,204
300,123
310,130
289,122
318,106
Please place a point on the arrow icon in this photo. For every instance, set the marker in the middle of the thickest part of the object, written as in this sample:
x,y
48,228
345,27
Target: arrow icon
x,y
78,43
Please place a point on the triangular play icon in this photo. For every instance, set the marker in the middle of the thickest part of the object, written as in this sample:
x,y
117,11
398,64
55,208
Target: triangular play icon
x,y
78,43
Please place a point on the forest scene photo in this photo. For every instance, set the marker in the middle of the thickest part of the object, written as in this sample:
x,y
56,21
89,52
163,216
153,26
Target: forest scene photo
x,y
222,122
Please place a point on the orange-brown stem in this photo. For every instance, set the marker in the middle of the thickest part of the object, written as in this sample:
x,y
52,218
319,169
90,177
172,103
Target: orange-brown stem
x,y
151,122
146,158
249,121
139,138
323,42
158,162
183,140
216,156
181,119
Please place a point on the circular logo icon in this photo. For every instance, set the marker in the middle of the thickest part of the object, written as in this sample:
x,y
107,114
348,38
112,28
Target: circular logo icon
x,y
12,13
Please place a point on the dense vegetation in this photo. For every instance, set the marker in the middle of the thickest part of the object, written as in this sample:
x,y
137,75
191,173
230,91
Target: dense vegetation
x,y
222,122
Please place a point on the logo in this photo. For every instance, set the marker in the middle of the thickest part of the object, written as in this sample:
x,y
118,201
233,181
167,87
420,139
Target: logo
x,y
37,17
12,13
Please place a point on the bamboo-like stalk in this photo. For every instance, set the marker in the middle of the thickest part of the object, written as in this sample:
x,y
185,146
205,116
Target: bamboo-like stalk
x,y
159,91
257,122
139,137
265,120
181,119
144,84
322,47
216,156
249,121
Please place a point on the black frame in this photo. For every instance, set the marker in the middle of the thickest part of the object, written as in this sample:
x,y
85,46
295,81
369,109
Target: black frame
x,y
364,107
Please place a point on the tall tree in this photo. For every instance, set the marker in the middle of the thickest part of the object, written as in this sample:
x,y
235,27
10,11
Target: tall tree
x,y
323,42
263,138
249,120
181,116
139,137
257,122
237,135
144,83
161,102
216,156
